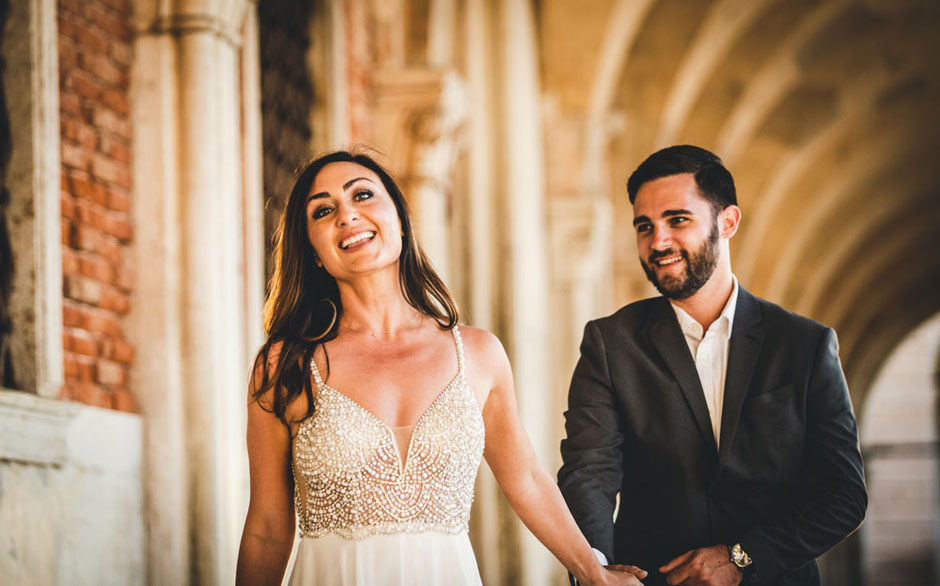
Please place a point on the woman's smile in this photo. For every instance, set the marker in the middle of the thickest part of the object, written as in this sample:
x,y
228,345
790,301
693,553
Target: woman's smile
x,y
357,240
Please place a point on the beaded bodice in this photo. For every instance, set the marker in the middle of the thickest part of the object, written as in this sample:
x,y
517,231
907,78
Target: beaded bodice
x,y
351,480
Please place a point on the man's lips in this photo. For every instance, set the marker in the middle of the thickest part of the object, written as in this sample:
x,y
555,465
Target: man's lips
x,y
667,260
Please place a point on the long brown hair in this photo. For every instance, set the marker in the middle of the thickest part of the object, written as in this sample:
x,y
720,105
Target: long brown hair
x,y
303,308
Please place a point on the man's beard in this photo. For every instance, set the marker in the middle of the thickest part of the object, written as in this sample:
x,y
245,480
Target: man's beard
x,y
698,268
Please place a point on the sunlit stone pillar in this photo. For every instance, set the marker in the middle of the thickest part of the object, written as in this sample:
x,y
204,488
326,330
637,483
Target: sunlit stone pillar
x,y
191,253
482,271
154,322
522,218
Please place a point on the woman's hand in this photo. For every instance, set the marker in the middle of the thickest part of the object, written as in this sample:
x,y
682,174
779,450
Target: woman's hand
x,y
621,575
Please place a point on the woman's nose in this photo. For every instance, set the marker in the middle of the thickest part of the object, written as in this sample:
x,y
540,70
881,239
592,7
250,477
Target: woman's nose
x,y
346,214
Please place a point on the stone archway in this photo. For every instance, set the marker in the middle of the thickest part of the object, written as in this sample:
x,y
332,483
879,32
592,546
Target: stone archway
x,y
900,442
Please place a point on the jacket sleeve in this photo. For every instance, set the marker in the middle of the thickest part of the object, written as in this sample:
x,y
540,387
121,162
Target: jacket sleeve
x,y
832,497
590,476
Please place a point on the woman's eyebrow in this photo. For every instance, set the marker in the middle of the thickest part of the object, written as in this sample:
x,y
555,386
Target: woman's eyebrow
x,y
345,187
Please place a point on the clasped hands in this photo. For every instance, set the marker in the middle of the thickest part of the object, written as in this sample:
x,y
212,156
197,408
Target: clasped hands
x,y
619,574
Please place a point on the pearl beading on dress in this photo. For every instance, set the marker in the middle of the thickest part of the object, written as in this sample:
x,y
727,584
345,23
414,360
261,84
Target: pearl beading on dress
x,y
349,477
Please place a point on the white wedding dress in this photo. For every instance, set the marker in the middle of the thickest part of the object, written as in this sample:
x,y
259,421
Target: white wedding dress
x,y
372,512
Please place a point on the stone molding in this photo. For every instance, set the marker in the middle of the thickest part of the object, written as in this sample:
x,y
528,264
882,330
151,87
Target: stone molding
x,y
48,432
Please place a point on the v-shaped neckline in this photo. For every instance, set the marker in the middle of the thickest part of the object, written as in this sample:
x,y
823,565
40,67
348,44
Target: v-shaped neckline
x,y
389,430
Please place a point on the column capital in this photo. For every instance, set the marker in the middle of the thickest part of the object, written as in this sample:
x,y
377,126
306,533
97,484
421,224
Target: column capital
x,y
416,109
420,115
224,19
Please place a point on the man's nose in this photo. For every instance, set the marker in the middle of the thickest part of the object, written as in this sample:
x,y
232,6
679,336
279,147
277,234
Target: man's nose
x,y
662,239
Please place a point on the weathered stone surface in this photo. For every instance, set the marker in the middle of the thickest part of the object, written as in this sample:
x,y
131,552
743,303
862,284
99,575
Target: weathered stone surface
x,y
71,492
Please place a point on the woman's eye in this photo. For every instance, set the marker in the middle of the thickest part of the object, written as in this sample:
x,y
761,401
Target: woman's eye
x,y
362,195
321,211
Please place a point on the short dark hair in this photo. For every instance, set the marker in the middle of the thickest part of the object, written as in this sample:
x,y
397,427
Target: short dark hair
x,y
714,181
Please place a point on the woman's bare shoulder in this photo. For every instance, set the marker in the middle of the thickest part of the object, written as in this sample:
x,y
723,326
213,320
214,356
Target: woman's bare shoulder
x,y
481,341
483,348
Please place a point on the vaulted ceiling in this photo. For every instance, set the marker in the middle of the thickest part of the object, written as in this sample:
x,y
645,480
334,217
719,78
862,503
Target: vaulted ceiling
x,y
827,114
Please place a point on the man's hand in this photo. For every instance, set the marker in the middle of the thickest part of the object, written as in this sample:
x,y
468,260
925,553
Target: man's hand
x,y
708,566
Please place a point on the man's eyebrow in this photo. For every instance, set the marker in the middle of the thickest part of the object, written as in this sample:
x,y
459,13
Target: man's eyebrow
x,y
666,214
345,187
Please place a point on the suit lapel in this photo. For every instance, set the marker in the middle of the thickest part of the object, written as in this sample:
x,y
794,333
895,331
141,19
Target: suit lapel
x,y
669,342
747,337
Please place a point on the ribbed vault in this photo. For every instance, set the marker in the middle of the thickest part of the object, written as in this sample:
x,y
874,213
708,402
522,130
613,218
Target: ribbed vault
x,y
826,113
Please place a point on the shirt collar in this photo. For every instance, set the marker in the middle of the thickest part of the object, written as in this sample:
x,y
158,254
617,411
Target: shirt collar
x,y
692,328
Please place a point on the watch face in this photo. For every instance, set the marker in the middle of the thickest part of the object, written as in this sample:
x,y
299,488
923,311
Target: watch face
x,y
739,557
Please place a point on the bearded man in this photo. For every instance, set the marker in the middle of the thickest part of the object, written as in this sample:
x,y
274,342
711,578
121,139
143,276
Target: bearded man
x,y
721,421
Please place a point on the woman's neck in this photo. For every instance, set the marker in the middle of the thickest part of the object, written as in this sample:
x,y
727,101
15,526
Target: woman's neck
x,y
375,303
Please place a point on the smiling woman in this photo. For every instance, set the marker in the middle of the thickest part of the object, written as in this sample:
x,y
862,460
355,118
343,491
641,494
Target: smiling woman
x,y
368,406
352,223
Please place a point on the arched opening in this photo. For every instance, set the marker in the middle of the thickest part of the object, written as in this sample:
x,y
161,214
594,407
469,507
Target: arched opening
x,y
899,437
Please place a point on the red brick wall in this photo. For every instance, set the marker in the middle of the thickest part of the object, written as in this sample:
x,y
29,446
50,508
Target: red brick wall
x,y
94,66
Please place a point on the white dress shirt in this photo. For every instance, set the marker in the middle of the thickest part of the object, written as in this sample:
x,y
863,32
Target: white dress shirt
x,y
710,353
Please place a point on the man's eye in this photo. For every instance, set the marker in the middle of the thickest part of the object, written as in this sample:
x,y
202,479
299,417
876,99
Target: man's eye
x,y
642,228
678,220
362,195
321,211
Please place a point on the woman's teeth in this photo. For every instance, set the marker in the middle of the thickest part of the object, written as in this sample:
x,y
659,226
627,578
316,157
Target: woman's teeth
x,y
357,238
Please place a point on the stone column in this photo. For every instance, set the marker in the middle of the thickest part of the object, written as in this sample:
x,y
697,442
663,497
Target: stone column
x,y
154,322
522,214
190,325
31,80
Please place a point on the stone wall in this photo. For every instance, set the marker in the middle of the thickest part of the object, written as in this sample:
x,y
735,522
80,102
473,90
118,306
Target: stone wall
x,y
70,494
94,41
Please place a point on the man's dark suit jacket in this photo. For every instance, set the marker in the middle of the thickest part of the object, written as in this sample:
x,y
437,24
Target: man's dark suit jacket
x,y
787,479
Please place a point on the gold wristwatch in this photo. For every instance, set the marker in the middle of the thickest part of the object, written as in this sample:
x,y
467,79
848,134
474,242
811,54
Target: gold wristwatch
x,y
739,557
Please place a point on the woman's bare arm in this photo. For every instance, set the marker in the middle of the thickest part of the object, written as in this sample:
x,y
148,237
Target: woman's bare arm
x,y
268,535
529,488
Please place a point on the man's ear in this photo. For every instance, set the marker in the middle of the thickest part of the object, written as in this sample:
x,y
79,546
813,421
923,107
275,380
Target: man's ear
x,y
728,221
